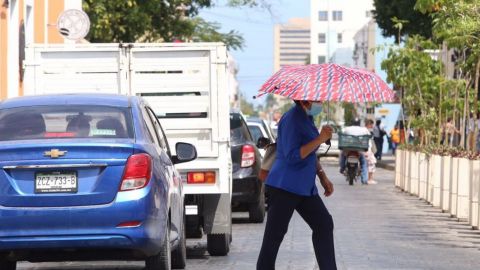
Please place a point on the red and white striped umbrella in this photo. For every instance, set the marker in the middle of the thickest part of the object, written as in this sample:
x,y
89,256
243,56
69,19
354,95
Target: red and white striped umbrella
x,y
327,82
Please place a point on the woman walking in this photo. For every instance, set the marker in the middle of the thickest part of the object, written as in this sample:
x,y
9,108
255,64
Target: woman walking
x,y
291,186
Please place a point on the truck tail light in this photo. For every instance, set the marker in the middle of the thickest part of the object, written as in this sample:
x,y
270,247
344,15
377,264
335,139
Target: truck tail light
x,y
201,178
138,172
248,156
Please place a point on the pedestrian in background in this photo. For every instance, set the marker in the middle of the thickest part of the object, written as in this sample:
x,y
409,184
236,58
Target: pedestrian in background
x,y
370,156
290,186
395,138
378,134
449,131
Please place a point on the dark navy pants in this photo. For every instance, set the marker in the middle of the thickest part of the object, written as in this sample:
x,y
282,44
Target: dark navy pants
x,y
281,205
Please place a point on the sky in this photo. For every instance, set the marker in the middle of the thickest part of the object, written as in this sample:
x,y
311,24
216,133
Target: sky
x,y
256,25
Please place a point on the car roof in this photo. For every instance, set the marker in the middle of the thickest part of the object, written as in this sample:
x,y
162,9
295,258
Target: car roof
x,y
254,120
255,124
69,99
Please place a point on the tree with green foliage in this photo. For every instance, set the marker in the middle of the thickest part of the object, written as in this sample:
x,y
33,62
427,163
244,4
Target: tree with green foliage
x,y
349,113
413,69
415,22
159,20
456,24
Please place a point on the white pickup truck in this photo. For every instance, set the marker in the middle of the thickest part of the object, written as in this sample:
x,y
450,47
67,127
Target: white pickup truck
x,y
186,85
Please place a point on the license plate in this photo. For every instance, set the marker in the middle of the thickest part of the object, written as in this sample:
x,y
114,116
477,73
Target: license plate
x,y
56,182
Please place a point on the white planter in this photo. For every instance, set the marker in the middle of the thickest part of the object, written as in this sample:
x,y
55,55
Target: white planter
x,y
474,217
463,197
436,179
414,172
398,164
446,174
406,179
408,169
430,180
454,186
423,176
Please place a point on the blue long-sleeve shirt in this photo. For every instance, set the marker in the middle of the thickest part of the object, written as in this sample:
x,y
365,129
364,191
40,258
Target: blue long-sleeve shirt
x,y
290,172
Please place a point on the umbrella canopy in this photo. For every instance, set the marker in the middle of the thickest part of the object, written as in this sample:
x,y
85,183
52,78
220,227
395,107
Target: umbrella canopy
x,y
327,82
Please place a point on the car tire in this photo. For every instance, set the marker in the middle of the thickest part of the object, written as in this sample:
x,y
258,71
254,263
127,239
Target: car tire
x,y
161,261
8,265
218,244
256,211
179,255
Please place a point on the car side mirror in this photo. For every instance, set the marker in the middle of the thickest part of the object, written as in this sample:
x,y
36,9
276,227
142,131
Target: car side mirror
x,y
263,142
185,152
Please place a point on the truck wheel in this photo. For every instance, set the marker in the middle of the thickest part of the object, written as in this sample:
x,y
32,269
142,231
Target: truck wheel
x,y
179,255
218,244
161,261
256,211
8,265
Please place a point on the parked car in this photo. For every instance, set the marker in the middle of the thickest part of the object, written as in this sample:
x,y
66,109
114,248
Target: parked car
x,y
248,191
260,129
89,177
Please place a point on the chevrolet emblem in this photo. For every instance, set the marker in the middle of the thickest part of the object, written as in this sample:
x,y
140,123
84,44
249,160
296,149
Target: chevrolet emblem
x,y
54,153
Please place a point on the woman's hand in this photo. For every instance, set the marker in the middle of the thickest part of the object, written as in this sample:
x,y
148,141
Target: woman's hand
x,y
327,185
325,134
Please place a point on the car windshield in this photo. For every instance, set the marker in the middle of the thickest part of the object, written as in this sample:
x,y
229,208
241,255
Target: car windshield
x,y
256,132
68,121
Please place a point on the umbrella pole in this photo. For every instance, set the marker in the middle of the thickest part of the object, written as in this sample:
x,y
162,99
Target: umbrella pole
x,y
328,111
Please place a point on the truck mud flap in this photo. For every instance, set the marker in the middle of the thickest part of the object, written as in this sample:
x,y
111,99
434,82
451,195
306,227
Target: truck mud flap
x,y
217,214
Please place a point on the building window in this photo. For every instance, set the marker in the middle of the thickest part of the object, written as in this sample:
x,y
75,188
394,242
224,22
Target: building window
x,y
322,38
322,59
323,15
337,15
339,38
294,31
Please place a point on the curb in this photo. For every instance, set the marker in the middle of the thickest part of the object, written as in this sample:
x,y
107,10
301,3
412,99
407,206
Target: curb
x,y
386,166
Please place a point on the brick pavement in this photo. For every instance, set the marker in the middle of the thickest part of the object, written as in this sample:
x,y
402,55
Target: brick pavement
x,y
376,227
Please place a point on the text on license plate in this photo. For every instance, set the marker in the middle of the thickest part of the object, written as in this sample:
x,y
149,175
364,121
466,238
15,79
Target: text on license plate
x,y
51,182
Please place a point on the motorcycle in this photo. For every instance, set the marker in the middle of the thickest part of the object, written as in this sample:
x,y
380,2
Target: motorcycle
x,y
352,167
353,147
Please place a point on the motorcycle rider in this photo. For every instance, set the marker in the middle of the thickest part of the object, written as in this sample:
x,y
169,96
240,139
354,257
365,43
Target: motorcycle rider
x,y
356,130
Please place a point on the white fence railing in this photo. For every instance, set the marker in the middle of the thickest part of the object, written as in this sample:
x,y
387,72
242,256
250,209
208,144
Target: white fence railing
x,y
451,184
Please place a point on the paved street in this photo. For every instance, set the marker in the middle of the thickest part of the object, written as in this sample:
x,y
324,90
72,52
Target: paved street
x,y
376,227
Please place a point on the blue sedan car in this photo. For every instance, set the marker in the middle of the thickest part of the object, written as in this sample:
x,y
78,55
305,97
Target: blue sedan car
x,y
89,177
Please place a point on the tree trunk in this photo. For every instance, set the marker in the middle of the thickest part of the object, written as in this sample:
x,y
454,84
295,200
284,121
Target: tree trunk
x,y
464,118
450,142
475,107
422,134
439,137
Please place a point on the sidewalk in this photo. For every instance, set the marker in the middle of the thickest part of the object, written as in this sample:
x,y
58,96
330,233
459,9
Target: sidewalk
x,y
387,162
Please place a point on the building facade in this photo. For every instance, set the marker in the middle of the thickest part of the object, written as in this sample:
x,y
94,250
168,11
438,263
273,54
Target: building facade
x,y
291,43
334,24
23,22
291,46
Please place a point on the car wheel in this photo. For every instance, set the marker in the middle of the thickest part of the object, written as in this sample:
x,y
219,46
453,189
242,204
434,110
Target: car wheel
x,y
8,265
256,211
179,255
161,261
218,244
